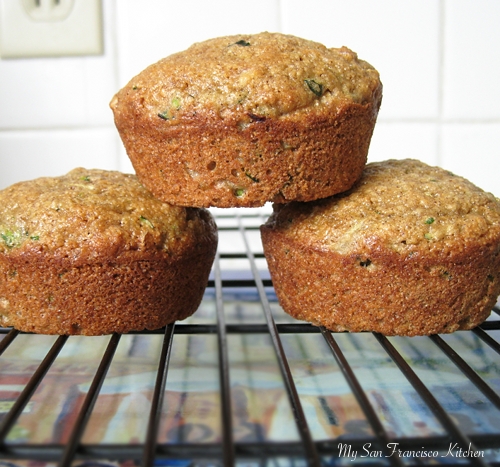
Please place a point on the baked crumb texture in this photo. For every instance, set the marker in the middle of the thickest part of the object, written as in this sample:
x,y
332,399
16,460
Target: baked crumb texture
x,y
243,120
93,252
409,250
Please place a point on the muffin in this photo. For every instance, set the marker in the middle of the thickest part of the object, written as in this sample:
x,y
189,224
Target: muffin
x,y
409,250
241,120
93,252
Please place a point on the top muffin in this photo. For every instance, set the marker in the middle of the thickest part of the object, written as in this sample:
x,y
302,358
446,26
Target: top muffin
x,y
246,119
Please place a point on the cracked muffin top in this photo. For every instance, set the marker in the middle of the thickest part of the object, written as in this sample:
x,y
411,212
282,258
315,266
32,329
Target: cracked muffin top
x,y
259,76
400,205
91,212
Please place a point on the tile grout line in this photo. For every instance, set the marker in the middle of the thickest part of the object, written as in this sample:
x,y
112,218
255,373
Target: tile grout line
x,y
440,77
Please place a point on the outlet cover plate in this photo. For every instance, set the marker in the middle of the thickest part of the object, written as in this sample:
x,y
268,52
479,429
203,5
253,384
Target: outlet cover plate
x,y
50,28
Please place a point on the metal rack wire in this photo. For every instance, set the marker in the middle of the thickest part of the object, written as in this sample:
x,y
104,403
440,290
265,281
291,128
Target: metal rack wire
x,y
452,443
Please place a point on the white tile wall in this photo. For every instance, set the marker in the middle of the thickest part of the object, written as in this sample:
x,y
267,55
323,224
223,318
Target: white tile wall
x,y
439,61
401,39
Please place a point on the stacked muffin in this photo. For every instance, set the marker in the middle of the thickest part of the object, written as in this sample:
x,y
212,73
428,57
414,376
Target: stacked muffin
x,y
242,120
396,247
93,252
409,250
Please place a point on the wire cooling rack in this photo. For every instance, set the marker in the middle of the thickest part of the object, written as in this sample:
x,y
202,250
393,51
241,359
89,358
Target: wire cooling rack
x,y
241,383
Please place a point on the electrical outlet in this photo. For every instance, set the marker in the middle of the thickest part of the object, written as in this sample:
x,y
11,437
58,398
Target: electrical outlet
x,y
45,28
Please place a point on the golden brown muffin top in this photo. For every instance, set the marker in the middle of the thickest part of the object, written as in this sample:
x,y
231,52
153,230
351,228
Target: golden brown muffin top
x,y
262,75
87,212
403,205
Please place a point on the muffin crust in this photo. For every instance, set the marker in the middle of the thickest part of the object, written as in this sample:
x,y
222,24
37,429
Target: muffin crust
x,y
409,250
242,120
93,252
